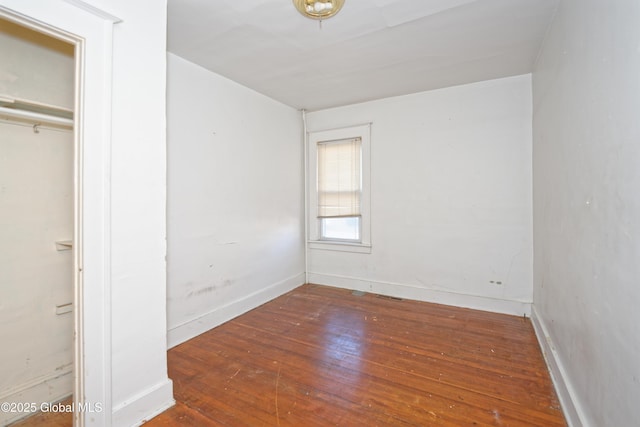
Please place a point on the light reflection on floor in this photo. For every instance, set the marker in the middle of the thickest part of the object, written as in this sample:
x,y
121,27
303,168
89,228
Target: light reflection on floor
x,y
345,348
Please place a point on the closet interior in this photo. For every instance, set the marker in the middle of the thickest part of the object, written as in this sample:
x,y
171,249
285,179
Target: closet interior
x,y
36,219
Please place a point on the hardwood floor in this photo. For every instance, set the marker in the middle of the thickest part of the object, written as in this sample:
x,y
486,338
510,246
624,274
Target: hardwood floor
x,y
48,419
319,356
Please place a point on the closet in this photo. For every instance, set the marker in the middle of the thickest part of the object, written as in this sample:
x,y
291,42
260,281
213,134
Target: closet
x,y
36,218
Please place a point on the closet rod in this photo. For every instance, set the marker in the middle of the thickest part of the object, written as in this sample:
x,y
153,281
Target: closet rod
x,y
37,117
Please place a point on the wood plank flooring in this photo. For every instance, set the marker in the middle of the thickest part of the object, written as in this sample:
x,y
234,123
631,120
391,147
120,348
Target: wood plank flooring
x,y
48,419
320,356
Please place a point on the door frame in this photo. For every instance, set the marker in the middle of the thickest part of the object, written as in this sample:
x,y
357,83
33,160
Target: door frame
x,y
90,30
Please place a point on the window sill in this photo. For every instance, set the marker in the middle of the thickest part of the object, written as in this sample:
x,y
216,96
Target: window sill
x,y
340,246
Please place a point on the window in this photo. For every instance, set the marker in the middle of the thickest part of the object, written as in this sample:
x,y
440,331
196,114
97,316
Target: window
x,y
339,189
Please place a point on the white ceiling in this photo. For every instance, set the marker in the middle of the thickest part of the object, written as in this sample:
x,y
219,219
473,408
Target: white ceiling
x,y
372,49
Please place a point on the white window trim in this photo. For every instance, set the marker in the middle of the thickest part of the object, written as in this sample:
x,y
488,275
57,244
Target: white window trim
x,y
314,242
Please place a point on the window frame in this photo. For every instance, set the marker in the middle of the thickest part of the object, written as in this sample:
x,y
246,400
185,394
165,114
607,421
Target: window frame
x,y
315,239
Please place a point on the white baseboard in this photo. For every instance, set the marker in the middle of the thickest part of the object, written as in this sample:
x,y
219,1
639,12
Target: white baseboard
x,y
47,389
144,406
574,415
219,315
398,290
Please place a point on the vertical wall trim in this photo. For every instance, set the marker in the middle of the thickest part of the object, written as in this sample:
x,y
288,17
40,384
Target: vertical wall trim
x,y
305,141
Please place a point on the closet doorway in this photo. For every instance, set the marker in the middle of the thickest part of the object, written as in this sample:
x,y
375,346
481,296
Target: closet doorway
x,y
90,30
37,206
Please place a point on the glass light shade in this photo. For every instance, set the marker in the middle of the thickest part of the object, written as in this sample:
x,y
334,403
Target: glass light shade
x,y
318,9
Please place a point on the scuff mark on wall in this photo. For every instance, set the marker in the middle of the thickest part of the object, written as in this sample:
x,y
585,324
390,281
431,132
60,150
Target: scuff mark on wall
x,y
209,289
201,291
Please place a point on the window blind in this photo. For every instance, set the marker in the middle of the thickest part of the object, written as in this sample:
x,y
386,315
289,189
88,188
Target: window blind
x,y
339,178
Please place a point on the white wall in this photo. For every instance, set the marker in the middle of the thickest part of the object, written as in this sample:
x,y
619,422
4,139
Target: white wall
x,y
586,91
140,386
235,185
451,197
138,198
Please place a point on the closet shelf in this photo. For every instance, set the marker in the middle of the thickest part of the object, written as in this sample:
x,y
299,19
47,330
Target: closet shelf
x,y
36,112
64,245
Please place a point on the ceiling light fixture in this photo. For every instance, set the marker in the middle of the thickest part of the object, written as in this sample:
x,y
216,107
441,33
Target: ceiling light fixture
x,y
318,9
